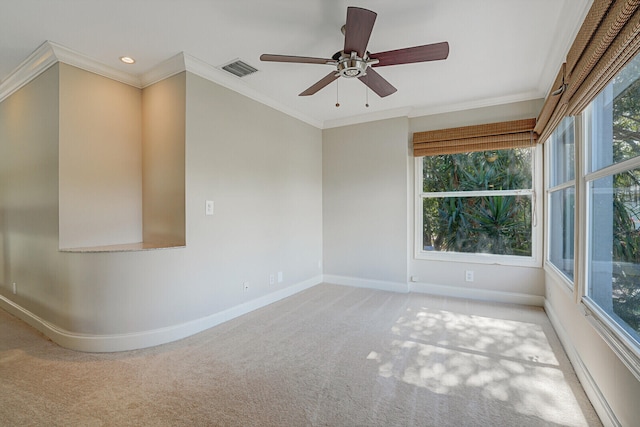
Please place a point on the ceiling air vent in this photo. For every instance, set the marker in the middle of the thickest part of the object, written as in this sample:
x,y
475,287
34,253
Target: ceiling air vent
x,y
239,68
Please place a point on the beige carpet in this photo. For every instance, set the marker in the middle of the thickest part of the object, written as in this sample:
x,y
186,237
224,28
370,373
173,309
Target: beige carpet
x,y
329,356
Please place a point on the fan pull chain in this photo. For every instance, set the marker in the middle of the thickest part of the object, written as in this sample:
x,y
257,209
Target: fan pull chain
x,y
367,96
337,94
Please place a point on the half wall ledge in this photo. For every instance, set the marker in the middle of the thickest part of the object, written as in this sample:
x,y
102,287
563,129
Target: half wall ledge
x,y
125,247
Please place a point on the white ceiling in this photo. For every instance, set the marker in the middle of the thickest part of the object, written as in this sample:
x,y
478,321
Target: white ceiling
x,y
500,50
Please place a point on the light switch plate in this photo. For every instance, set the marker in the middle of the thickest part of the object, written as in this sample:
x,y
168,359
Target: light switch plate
x,y
209,207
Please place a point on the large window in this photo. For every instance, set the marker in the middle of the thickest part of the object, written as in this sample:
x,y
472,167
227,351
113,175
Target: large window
x,y
612,179
477,206
561,198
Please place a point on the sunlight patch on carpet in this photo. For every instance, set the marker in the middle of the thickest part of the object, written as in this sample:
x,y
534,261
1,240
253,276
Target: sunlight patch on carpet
x,y
482,359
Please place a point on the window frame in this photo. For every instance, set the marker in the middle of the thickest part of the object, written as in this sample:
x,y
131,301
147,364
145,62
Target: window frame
x,y
549,266
626,347
535,260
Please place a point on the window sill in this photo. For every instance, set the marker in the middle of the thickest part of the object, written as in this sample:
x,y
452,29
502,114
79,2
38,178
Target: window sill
x,y
506,260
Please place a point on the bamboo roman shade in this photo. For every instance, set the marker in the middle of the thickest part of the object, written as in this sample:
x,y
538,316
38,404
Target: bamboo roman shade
x,y
492,136
608,39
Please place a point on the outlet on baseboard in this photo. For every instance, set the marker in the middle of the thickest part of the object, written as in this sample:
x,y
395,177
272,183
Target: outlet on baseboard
x,y
15,288
272,279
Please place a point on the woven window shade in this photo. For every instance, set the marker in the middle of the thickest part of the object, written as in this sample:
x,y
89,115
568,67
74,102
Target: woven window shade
x,y
551,103
608,39
492,136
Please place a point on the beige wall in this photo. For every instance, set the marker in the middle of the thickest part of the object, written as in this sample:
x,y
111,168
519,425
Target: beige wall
x,y
599,369
163,161
262,168
265,171
29,198
365,201
100,160
369,211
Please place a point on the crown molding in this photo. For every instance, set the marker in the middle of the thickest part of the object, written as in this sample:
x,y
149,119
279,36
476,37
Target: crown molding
x,y
413,112
215,75
40,60
165,69
481,103
370,117
50,53
76,59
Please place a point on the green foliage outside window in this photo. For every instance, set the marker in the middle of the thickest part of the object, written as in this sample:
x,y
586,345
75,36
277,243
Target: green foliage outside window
x,y
626,198
493,224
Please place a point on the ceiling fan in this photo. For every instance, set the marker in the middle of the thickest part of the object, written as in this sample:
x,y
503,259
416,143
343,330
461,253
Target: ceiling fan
x,y
355,61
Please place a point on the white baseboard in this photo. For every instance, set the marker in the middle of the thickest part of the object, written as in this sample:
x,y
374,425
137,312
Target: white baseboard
x,y
137,340
356,282
441,290
477,294
589,385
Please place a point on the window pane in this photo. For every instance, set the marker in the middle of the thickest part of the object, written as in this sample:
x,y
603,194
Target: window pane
x,y
563,153
614,264
561,229
499,225
484,170
615,126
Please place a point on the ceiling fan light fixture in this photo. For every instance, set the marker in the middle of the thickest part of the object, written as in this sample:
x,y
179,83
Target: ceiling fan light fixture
x,y
351,67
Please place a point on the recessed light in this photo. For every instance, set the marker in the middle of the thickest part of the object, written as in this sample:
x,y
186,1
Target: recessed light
x,y
127,59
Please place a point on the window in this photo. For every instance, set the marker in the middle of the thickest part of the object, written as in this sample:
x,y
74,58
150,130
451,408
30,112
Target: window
x,y
612,180
561,198
477,206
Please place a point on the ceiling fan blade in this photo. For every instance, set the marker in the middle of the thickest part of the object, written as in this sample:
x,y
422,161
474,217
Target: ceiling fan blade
x,y
377,83
358,30
320,84
429,52
298,59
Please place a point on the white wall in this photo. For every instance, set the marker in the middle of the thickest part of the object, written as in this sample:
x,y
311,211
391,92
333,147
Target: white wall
x,y
365,203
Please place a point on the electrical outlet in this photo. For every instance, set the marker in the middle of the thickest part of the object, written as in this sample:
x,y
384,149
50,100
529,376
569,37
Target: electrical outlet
x,y
280,277
468,276
272,279
15,288
245,286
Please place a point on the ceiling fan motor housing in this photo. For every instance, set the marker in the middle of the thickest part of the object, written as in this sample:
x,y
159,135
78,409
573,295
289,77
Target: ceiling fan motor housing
x,y
351,66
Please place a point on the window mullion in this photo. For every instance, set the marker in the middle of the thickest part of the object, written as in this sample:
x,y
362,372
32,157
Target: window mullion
x,y
479,193
614,169
562,186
